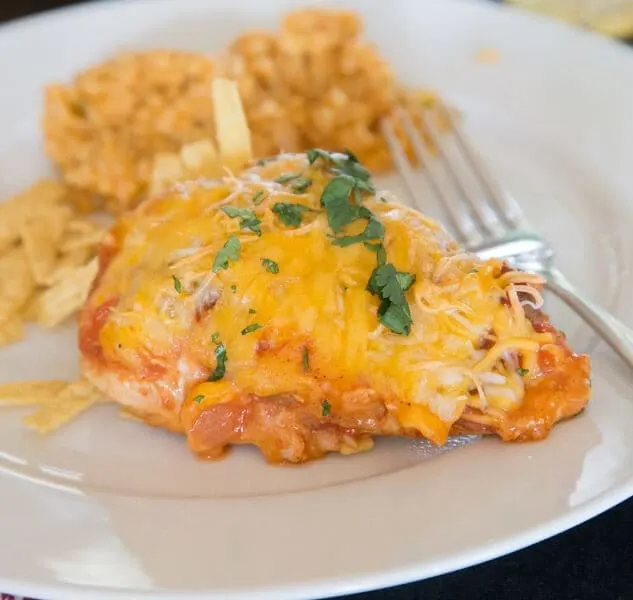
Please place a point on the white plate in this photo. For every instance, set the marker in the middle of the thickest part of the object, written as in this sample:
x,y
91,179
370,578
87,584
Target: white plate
x,y
112,509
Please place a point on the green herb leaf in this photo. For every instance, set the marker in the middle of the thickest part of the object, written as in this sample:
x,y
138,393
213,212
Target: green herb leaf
x,y
316,153
395,317
251,311
523,372
351,155
405,280
287,177
233,288
326,408
379,249
390,285
383,282
250,328
258,198
215,338
248,219
335,199
199,398
289,214
300,185
220,364
306,359
230,251
364,185
177,284
374,230
270,265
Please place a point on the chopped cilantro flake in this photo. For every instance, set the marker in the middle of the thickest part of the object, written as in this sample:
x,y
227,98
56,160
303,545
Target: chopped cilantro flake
x,y
230,251
390,285
306,359
248,219
289,214
199,398
374,230
250,328
258,198
270,265
396,317
300,185
220,365
177,284
316,153
405,280
215,338
351,155
233,288
251,311
287,177
381,253
522,372
326,408
335,199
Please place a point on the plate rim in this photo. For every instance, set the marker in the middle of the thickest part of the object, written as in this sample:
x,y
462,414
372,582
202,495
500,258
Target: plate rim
x,y
326,588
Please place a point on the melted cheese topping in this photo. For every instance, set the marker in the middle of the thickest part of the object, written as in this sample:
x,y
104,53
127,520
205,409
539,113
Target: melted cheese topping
x,y
469,345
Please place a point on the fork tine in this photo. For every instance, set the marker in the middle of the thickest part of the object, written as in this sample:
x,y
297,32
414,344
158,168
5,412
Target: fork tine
x,y
405,169
463,224
482,211
400,159
505,206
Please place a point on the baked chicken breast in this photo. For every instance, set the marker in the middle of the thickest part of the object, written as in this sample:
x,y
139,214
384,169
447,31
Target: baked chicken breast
x,y
296,308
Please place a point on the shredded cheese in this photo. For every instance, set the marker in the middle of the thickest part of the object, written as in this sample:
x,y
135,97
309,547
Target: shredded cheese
x,y
469,335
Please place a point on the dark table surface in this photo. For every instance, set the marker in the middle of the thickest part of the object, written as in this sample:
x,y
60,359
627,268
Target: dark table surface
x,y
592,561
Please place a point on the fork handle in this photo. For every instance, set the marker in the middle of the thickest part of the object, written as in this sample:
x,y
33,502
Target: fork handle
x,y
615,333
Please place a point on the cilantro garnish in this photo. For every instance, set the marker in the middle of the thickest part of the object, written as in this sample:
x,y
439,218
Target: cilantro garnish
x,y
230,251
251,311
335,199
220,364
289,214
522,372
314,153
306,359
248,219
379,249
258,198
270,265
300,185
390,285
215,338
351,155
406,280
233,288
250,328
344,164
177,284
287,177
374,230
199,398
326,407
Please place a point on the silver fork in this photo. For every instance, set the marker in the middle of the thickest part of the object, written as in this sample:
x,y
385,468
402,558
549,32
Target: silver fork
x,y
491,223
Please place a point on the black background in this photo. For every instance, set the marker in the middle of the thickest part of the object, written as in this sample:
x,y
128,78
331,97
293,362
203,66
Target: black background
x,y
592,561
